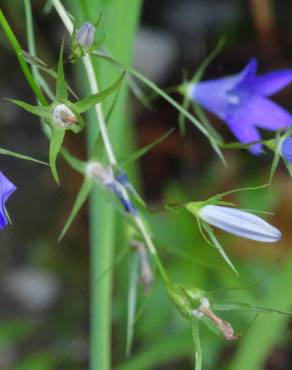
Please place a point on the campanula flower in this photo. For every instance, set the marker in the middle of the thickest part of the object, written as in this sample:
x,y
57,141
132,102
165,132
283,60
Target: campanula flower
x,y
285,149
85,35
6,189
242,102
105,177
239,223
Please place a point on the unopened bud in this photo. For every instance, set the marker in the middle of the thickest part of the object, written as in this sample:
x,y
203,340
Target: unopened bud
x,y
63,116
239,223
85,35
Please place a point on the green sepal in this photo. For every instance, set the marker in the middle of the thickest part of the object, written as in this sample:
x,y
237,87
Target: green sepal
x,y
226,305
82,195
38,110
142,151
215,243
56,140
88,102
21,156
61,85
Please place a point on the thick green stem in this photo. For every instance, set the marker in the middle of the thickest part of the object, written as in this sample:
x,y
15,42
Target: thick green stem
x,y
121,24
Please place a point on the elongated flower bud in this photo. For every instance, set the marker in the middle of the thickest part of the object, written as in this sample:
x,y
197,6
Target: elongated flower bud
x,y
104,176
239,223
285,149
85,35
63,116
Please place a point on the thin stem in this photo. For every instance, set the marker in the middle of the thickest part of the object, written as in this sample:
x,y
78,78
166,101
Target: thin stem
x,y
99,112
18,51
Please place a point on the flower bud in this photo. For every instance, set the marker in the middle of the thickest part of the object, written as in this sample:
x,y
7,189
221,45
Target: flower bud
x,y
85,35
285,149
63,116
239,223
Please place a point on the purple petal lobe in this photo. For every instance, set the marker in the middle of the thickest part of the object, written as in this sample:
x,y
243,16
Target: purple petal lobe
x,y
6,189
244,78
270,83
244,131
286,149
212,95
266,114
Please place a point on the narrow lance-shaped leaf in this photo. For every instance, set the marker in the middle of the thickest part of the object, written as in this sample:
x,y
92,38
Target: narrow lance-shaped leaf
x,y
239,306
61,85
41,111
88,102
132,301
20,156
57,138
142,151
218,246
276,158
80,200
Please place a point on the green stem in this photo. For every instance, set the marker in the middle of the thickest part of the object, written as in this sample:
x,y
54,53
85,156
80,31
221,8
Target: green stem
x,y
18,51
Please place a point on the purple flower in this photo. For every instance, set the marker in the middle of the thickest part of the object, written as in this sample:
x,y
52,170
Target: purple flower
x,y
285,149
6,189
241,101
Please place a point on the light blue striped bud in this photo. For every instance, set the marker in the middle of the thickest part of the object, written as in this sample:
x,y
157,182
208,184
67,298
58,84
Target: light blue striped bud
x,y
85,35
239,223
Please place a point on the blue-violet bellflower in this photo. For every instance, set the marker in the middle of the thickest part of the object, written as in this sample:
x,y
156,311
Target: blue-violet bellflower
x,y
6,189
242,102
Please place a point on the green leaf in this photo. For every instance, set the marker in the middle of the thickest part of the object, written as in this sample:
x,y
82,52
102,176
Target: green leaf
x,y
132,301
197,344
80,200
61,85
218,246
20,156
140,152
88,102
57,138
239,306
41,111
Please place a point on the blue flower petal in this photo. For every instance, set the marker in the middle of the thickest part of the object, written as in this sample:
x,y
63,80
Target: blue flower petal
x,y
270,83
246,76
212,95
244,131
286,149
265,114
6,189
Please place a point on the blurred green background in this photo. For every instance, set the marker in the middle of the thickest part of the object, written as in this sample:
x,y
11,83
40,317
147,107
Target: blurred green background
x,y
44,294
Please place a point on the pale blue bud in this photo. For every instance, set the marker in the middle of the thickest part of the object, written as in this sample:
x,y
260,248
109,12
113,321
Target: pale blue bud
x,y
85,35
239,223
